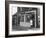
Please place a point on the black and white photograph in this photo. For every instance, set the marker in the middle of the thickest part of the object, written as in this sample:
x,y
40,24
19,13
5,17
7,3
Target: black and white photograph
x,y
25,18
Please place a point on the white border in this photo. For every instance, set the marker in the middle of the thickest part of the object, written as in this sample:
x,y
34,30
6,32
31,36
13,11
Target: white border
x,y
25,32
